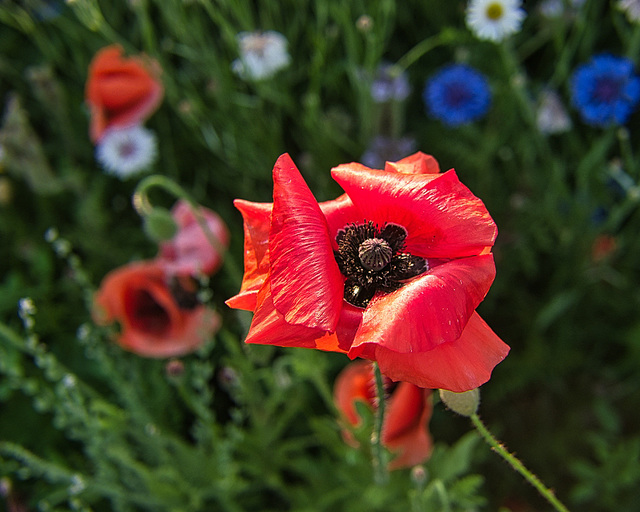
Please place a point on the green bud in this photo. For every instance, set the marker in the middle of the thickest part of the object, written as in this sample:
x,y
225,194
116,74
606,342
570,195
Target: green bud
x,y
465,404
159,225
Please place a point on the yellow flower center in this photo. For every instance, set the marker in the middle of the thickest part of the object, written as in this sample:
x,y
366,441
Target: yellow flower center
x,y
495,11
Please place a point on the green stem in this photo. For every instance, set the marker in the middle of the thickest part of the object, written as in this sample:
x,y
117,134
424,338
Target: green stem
x,y
422,48
516,464
381,475
143,206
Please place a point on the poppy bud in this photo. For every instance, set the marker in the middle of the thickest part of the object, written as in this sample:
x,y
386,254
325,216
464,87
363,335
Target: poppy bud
x,y
159,225
465,404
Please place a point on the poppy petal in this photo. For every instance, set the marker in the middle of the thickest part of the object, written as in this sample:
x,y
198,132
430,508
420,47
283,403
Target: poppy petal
x,y
306,284
338,213
418,163
121,91
429,310
257,221
458,366
442,217
405,429
269,326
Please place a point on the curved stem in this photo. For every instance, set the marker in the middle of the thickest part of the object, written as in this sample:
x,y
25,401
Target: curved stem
x,y
381,475
143,206
516,464
422,48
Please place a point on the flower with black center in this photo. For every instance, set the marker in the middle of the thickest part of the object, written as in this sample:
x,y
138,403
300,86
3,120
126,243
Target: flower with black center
x,y
605,90
159,314
391,271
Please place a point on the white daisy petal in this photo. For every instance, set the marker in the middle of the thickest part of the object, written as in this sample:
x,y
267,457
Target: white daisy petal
x,y
494,19
262,54
124,152
631,8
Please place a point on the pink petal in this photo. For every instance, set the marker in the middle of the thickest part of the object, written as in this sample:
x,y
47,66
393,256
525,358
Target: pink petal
x,y
443,218
190,251
458,366
306,284
429,310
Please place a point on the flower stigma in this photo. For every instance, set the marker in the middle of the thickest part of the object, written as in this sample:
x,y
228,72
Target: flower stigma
x,y
375,253
372,260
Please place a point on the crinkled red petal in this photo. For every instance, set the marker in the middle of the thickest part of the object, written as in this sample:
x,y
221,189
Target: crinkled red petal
x,y
306,283
257,221
269,326
442,217
458,366
429,310
418,163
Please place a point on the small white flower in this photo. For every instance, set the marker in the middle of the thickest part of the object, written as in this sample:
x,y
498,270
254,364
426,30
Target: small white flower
x,y
126,151
494,19
262,54
631,8
551,116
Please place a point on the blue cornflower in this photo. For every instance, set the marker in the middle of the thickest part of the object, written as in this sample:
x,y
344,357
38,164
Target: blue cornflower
x,y
605,90
457,94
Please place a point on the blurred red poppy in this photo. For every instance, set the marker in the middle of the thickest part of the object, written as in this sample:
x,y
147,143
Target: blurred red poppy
x,y
158,315
121,91
190,252
408,411
390,271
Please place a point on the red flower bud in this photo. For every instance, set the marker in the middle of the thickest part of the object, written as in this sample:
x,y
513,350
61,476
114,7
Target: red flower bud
x,y
121,91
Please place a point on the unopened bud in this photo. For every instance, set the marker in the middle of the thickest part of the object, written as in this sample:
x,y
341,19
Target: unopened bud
x,y
419,475
174,368
159,225
465,404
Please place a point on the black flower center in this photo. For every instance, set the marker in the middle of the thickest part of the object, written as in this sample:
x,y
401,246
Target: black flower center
x,y
372,260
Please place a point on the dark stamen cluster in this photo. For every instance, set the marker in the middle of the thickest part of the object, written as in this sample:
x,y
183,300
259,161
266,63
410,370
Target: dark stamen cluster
x,y
372,260
185,292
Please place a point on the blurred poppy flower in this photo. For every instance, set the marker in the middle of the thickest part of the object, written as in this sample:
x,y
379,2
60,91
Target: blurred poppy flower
x,y
390,271
121,91
408,410
190,252
159,316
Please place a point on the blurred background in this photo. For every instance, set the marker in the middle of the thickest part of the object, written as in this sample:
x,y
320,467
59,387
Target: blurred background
x,y
254,428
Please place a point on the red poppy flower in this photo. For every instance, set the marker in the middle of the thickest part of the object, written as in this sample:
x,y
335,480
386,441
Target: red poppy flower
x,y
390,271
408,410
158,317
190,252
121,91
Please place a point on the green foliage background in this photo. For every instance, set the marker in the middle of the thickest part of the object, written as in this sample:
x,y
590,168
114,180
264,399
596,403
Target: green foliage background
x,y
85,426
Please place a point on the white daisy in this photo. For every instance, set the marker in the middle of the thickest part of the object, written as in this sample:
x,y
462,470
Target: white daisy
x,y
262,54
631,8
126,151
494,19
